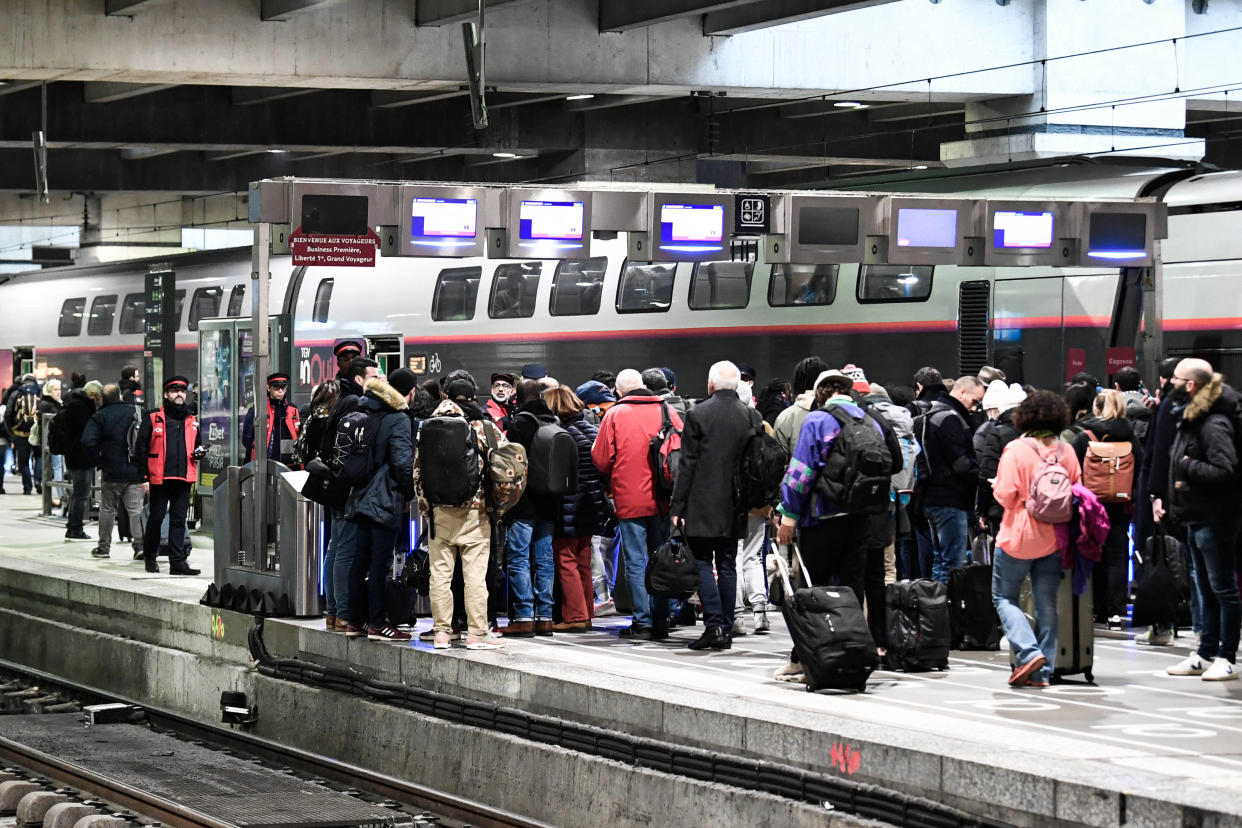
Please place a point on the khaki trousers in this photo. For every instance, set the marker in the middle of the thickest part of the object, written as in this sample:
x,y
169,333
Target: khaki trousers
x,y
468,533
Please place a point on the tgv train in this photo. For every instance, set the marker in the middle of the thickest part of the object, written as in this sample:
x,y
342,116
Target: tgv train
x,y
579,316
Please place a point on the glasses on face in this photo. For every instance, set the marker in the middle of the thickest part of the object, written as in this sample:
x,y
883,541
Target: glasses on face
x,y
1175,378
497,386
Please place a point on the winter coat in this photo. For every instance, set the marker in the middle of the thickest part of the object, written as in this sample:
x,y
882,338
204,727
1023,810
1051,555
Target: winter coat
x,y
1137,413
620,450
1203,465
382,499
1020,535
131,392
799,500
315,425
789,422
522,427
705,494
1001,434
349,388
78,412
950,456
176,464
499,413
283,423
481,425
48,406
587,511
106,439
898,418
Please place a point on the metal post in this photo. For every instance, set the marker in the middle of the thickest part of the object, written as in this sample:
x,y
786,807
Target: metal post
x,y
260,277
1152,338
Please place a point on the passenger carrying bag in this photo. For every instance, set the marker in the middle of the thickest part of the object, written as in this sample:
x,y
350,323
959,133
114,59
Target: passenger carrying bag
x,y
830,634
973,622
917,623
671,569
1108,470
1075,628
855,478
58,441
352,459
663,456
25,413
1051,496
506,473
448,465
761,468
552,458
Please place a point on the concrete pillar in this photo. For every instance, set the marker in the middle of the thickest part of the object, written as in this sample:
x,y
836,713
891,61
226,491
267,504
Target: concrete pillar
x,y
1090,95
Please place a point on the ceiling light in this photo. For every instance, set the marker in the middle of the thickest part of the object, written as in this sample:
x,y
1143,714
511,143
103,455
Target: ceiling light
x,y
920,166
277,151
504,155
849,105
579,97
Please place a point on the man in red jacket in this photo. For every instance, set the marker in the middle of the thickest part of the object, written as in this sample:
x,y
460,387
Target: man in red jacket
x,y
168,449
620,451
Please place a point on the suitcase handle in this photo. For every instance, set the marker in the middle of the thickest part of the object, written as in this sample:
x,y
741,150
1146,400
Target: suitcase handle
x,y
783,569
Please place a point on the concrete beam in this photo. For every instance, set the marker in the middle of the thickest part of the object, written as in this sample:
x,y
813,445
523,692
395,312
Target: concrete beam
x,y
391,99
610,101
9,87
251,95
623,15
285,9
130,6
761,15
102,93
445,12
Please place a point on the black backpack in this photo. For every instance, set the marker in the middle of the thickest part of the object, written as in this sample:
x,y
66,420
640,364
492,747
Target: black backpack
x,y
761,468
664,456
57,437
353,460
448,461
857,475
552,459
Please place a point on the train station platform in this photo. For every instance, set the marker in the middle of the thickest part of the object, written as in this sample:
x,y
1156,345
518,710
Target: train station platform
x,y
1136,748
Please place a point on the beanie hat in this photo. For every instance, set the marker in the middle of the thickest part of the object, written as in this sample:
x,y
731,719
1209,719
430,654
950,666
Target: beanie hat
x,y
403,381
594,392
860,379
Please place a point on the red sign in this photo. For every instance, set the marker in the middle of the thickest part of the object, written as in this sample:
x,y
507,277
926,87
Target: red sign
x,y
1075,362
1117,358
338,251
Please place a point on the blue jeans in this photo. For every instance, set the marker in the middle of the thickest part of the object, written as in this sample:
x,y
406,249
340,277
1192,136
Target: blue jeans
x,y
532,597
950,549
1212,545
1008,573
347,568
639,537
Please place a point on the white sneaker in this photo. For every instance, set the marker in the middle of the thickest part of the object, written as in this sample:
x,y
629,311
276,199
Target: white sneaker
x,y
739,626
1153,638
762,625
1191,665
1221,670
790,672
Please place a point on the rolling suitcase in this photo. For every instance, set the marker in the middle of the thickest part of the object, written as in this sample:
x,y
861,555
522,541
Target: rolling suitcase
x,y
973,622
1075,627
917,623
830,635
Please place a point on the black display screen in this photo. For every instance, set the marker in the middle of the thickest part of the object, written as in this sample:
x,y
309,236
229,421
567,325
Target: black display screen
x,y
1118,231
828,226
335,215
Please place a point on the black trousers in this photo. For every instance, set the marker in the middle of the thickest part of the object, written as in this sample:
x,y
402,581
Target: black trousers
x,y
718,592
173,497
834,552
1111,585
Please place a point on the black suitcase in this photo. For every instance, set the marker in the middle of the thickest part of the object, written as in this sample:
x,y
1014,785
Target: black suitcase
x,y
830,635
917,623
973,622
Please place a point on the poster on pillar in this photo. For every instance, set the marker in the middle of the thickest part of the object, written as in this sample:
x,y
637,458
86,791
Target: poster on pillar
x,y
336,250
1117,358
1075,362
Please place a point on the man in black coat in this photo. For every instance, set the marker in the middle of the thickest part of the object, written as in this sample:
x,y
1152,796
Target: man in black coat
x,y
704,504
106,438
346,352
951,489
77,413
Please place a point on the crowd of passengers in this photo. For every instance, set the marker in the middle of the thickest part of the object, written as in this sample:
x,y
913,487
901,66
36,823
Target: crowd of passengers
x,y
966,459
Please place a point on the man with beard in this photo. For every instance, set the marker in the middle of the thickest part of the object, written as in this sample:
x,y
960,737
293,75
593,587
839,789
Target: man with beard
x,y
170,442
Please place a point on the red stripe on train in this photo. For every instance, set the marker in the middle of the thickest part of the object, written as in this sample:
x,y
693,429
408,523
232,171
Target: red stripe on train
x,y
111,349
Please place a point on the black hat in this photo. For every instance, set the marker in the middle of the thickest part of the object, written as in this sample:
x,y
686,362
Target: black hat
x,y
460,389
502,376
403,381
279,376
177,383
745,370
533,370
346,345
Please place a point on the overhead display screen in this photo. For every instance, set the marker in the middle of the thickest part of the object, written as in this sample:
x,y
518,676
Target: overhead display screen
x,y
334,215
1118,236
692,224
1014,230
433,218
827,226
925,227
550,220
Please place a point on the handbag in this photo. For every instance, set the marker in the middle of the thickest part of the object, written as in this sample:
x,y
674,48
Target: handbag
x,y
671,570
1155,594
323,488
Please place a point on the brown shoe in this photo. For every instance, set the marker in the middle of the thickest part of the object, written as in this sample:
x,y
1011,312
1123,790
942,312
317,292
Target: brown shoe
x,y
329,622
571,626
543,628
518,629
341,625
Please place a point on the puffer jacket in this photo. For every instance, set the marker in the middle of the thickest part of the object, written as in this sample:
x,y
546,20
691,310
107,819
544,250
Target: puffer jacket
x,y
620,450
480,423
1203,467
392,456
950,455
78,412
587,511
789,422
106,437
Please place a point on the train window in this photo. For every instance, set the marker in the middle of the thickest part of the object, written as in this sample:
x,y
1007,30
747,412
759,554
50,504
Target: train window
x,y
205,305
894,283
103,311
457,289
720,285
323,300
577,287
646,287
513,290
236,296
71,317
178,304
132,309
793,284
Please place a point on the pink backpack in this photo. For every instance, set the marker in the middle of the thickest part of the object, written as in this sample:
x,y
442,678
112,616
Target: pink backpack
x,y
1051,498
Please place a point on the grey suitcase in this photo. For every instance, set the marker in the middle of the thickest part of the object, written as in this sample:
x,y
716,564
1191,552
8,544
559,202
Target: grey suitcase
x,y
1075,627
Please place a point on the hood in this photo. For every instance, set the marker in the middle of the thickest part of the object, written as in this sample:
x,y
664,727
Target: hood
x,y
448,408
805,400
1213,398
1136,405
378,389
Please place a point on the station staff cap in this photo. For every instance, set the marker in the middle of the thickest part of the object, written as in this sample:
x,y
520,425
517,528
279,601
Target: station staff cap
x,y
177,383
347,345
279,376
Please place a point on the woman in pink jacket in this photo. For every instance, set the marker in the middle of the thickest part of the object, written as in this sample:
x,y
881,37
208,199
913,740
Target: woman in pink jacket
x,y
1025,545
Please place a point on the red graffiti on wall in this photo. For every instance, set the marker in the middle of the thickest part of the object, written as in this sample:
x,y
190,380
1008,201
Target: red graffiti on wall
x,y
845,758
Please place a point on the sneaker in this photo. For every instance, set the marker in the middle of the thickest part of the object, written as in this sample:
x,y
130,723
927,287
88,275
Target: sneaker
x,y
605,607
99,553
1191,665
354,632
490,641
1022,673
1037,683
183,569
442,640
430,635
762,626
386,633
790,672
1221,670
739,626
78,535
1154,639
138,553
636,632
1114,622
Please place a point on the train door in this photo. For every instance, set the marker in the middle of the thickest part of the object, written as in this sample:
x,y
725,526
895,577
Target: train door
x,y
23,361
1027,332
386,350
